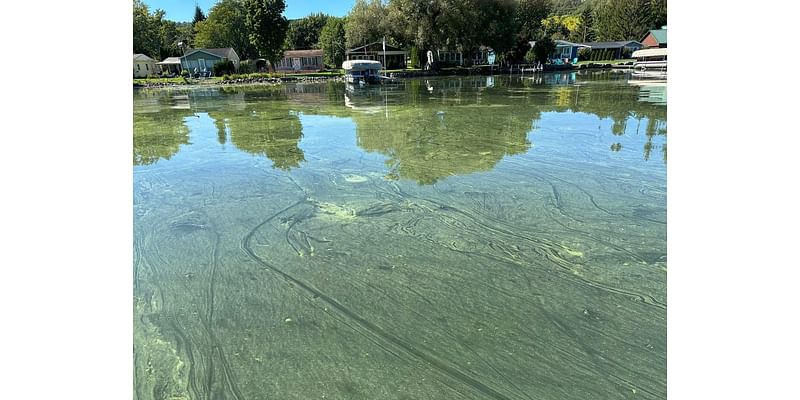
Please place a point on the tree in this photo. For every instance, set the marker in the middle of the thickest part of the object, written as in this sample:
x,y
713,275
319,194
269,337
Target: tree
x,y
267,27
585,32
562,26
169,37
153,35
497,19
332,42
185,34
146,29
562,7
543,48
529,15
198,15
417,22
367,22
304,33
627,19
226,26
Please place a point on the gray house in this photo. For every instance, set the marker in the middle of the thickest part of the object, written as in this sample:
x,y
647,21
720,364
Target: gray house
x,y
203,60
616,50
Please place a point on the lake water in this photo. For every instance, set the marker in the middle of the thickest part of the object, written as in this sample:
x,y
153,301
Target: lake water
x,y
450,238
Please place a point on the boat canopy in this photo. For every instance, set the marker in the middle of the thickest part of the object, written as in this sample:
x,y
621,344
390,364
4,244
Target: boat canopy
x,y
361,65
659,52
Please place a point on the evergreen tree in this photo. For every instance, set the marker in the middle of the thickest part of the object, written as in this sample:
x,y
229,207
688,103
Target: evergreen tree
x,y
198,15
627,19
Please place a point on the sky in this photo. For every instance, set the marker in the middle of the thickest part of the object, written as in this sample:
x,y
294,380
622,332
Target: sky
x,y
183,10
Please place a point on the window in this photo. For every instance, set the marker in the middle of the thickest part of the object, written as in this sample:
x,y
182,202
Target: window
x,y
138,67
147,67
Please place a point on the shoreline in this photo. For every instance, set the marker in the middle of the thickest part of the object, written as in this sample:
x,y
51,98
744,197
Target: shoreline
x,y
483,71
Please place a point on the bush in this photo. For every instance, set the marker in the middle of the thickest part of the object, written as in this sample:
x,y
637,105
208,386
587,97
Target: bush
x,y
246,67
530,57
224,67
185,73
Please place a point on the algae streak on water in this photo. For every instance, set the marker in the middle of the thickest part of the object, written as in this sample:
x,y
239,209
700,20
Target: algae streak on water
x,y
437,238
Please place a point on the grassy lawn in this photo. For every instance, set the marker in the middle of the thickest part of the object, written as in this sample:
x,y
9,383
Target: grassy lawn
x,y
144,81
338,72
388,71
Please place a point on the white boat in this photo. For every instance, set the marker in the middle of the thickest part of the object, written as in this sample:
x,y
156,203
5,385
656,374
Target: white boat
x,y
650,63
362,71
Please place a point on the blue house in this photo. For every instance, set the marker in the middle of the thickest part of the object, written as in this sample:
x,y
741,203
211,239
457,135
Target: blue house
x,y
203,60
565,52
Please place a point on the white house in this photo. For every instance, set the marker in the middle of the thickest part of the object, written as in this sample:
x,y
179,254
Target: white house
x,y
143,66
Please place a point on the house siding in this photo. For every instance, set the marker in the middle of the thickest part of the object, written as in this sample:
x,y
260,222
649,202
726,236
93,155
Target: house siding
x,y
650,41
143,68
191,61
307,64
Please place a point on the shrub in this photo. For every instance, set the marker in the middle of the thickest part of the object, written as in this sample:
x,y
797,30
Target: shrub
x,y
530,57
246,67
185,73
224,67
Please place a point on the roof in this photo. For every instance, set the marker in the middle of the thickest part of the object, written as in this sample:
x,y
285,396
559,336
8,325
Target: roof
x,y
660,35
170,60
649,53
363,48
141,57
303,53
612,45
359,65
225,52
